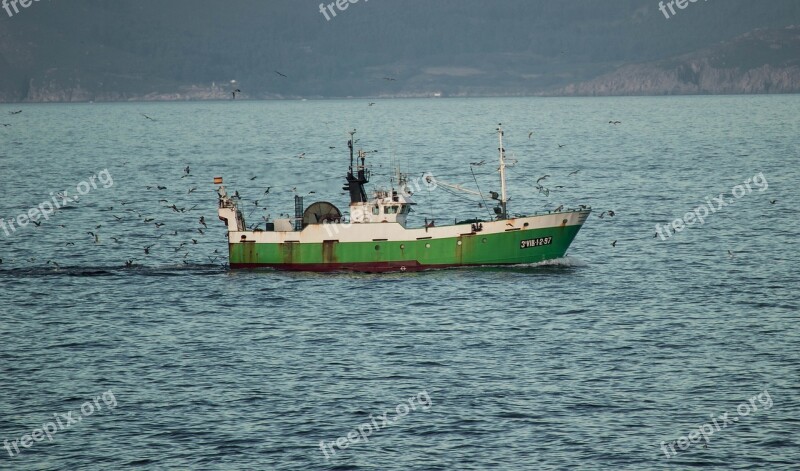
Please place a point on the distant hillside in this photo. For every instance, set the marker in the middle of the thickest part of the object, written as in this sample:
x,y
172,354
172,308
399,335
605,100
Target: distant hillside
x,y
763,61
83,50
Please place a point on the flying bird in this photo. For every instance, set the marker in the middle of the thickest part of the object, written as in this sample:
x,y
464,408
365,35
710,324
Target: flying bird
x,y
530,134
573,173
148,117
614,244
203,221
389,79
562,145
15,112
773,201
542,178
281,74
478,164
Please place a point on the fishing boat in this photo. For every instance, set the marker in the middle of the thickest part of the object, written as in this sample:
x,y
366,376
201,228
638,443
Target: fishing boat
x,y
374,236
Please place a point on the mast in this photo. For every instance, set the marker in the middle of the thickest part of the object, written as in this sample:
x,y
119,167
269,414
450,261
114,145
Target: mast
x,y
503,195
356,181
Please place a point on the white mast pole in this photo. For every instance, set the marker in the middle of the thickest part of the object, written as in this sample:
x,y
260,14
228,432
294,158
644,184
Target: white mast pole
x,y
503,195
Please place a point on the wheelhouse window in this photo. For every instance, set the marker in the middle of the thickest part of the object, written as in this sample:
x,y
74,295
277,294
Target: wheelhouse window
x,y
376,210
390,209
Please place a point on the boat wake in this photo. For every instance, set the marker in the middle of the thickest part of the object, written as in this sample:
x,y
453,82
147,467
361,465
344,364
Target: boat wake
x,y
558,262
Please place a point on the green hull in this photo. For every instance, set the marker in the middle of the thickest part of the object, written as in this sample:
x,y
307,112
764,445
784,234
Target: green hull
x,y
507,248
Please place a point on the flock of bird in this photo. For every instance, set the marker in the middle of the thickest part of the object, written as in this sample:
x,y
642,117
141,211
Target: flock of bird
x,y
179,240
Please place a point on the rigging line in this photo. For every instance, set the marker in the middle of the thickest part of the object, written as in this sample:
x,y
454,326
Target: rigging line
x,y
457,195
481,192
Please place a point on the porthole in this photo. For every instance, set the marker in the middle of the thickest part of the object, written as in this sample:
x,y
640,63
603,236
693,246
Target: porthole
x,y
459,242
427,246
377,247
485,240
402,246
525,225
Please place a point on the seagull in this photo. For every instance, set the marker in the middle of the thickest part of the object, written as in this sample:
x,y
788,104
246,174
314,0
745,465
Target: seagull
x,y
602,215
301,155
773,201
611,213
128,263
158,225
6,125
530,134
54,263
149,220
615,122
115,240
614,244
194,241
15,112
372,104
266,192
203,221
558,209
574,173
284,76
96,237
161,187
200,231
192,190
187,170
562,145
147,249
478,164
148,117
117,217
389,79
235,92
312,192
254,178
36,223
542,178
732,255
